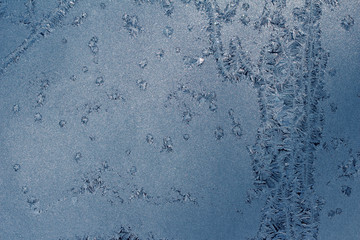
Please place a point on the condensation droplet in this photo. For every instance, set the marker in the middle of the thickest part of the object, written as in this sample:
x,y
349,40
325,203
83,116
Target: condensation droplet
x,y
187,117
186,137
142,84
133,170
219,133
99,81
40,99
167,144
168,31
16,167
212,107
84,119
150,138
237,130
16,108
245,6
245,19
128,152
338,211
25,189
160,53
62,123
78,156
143,63
37,117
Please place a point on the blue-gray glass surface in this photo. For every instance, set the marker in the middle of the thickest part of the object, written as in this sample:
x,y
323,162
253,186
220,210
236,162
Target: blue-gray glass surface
x,y
179,119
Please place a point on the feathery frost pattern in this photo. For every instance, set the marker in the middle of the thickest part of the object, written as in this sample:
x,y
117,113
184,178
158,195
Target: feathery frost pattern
x,y
289,84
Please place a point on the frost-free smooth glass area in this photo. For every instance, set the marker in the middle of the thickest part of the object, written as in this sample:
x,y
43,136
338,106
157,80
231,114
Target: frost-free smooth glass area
x,y
179,119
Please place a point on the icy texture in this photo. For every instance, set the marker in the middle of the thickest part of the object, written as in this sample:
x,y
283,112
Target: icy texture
x,y
179,119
